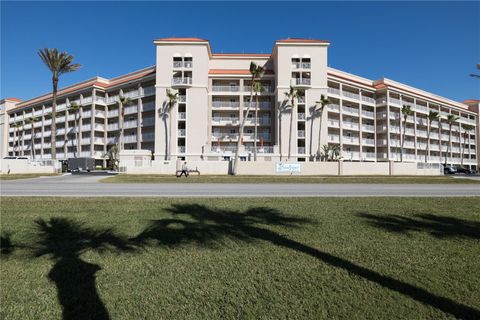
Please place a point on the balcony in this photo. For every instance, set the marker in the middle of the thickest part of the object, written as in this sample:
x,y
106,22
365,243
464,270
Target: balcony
x,y
351,155
85,140
100,100
265,105
369,155
351,95
334,107
226,104
350,110
367,141
333,123
368,99
85,154
130,124
111,140
351,140
182,132
301,82
218,136
182,98
130,109
182,116
86,113
351,125
225,120
264,149
301,150
395,101
181,149
301,116
100,114
131,94
98,140
99,127
86,127
369,114
113,113
333,138
112,126
113,99
333,91
422,109
368,127
178,82
223,88
130,138
87,100
61,131
260,121
301,133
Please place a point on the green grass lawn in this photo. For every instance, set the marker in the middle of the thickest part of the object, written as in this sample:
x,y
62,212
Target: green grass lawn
x,y
304,258
24,176
132,178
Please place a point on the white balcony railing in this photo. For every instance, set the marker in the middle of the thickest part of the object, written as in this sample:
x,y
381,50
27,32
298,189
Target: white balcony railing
x,y
130,139
113,113
225,104
351,95
149,106
350,110
226,88
333,91
368,99
182,132
181,81
334,107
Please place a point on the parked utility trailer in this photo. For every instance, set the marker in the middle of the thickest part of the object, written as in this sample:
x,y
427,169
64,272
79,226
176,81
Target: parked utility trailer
x,y
81,164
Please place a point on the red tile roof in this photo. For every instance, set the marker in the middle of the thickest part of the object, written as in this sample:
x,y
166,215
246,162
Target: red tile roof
x,y
303,40
241,54
234,71
471,101
182,39
13,99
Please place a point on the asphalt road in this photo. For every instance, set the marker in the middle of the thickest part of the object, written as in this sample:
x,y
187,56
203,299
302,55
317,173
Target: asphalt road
x,y
88,186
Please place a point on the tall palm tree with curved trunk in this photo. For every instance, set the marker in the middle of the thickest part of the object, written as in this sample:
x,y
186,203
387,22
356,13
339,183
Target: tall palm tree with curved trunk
x,y
467,128
58,63
122,103
322,103
256,72
432,116
451,118
75,108
172,98
16,137
31,121
406,112
258,88
292,95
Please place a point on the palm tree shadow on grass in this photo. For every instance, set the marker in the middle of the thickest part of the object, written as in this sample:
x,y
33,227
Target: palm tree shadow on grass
x,y
207,226
64,240
437,226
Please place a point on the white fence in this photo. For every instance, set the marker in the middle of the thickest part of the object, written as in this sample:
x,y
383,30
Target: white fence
x,y
18,166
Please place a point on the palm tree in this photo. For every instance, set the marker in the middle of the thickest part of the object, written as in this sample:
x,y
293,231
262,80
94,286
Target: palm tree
x,y
256,72
406,111
432,116
292,95
31,121
258,88
322,103
58,63
467,128
122,103
172,99
451,118
75,108
16,137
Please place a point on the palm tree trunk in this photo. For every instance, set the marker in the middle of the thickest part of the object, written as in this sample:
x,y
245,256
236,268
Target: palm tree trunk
x,y
169,133
240,133
427,149
53,138
166,137
33,141
291,130
76,135
403,139
280,133
319,131
312,118
256,130
449,141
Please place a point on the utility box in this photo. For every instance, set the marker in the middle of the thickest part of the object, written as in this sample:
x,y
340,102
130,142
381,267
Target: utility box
x,y
81,164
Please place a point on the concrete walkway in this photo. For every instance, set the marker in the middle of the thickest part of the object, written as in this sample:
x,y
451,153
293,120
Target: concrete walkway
x,y
89,186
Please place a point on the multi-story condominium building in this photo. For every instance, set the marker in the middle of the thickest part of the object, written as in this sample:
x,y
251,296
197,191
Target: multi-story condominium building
x,y
363,116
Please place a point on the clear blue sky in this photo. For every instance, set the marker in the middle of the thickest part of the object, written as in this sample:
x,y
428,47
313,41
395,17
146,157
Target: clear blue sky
x,y
429,45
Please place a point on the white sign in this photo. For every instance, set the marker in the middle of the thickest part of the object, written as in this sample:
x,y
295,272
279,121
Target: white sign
x,y
285,167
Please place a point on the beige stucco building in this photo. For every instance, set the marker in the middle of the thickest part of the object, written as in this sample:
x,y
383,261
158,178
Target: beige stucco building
x,y
362,117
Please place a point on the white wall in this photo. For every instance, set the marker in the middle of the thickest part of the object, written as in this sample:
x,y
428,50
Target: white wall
x,y
17,166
